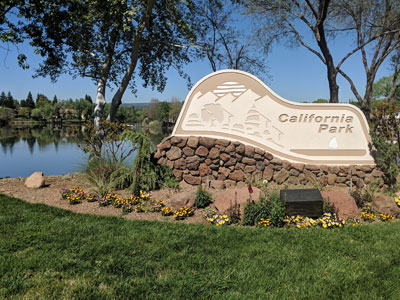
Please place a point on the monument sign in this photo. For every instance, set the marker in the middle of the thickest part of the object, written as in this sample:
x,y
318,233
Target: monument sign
x,y
236,106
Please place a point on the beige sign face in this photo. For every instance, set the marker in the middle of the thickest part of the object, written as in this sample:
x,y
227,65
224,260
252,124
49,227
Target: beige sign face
x,y
237,106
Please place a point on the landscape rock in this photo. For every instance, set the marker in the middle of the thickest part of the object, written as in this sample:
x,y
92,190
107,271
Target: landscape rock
x,y
35,181
180,164
224,200
192,180
202,151
332,179
183,199
178,141
207,142
386,205
249,151
281,176
164,146
193,142
188,151
236,175
214,153
268,172
174,153
233,156
217,184
204,169
343,203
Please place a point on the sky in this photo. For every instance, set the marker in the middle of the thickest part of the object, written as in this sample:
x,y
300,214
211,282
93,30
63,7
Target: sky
x,y
293,73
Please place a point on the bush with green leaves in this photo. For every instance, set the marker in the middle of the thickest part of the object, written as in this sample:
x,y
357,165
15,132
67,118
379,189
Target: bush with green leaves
x,y
385,135
203,198
269,207
277,210
254,211
109,145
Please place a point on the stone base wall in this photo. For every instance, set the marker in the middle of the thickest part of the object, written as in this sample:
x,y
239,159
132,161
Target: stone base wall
x,y
226,163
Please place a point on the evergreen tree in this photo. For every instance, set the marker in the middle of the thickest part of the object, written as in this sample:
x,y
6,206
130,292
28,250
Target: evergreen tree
x,y
55,100
23,103
3,99
10,101
29,101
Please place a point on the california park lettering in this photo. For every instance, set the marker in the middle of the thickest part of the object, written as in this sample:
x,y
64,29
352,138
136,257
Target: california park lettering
x,y
325,122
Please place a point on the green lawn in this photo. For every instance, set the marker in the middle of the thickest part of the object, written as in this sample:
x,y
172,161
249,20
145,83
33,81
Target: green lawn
x,y
48,253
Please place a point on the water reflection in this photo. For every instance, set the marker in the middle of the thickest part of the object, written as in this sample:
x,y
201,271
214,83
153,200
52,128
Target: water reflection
x,y
51,150
42,136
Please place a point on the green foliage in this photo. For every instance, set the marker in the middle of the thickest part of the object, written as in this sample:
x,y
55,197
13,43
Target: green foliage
x,y
321,101
6,115
364,196
277,209
385,135
24,112
29,101
147,174
269,207
328,208
41,100
254,211
203,198
36,114
383,87
100,174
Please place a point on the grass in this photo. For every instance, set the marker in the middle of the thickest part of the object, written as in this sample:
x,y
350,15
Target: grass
x,y
49,253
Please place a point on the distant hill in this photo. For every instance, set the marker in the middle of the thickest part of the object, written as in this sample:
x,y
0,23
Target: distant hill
x,y
136,105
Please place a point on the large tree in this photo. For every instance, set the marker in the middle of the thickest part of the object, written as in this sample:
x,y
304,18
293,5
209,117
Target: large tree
x,y
373,25
224,39
113,42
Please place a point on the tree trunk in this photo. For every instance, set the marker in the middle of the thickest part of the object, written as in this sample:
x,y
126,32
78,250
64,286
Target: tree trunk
x,y
100,101
333,87
117,99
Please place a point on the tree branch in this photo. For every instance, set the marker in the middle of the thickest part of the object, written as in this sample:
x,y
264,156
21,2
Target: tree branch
x,y
304,44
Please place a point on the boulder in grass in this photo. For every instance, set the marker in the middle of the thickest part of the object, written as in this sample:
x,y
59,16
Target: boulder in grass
x,y
35,181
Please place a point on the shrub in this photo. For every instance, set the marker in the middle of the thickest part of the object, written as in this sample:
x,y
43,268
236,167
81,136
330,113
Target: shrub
x,y
277,210
254,211
365,196
385,135
203,198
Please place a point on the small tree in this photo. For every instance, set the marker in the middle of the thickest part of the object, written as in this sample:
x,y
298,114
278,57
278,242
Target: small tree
x,y
29,101
3,99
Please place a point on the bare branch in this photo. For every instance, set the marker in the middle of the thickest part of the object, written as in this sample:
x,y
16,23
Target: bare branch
x,y
352,86
304,44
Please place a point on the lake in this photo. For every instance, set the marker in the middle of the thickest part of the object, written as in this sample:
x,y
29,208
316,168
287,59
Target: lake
x,y
53,151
